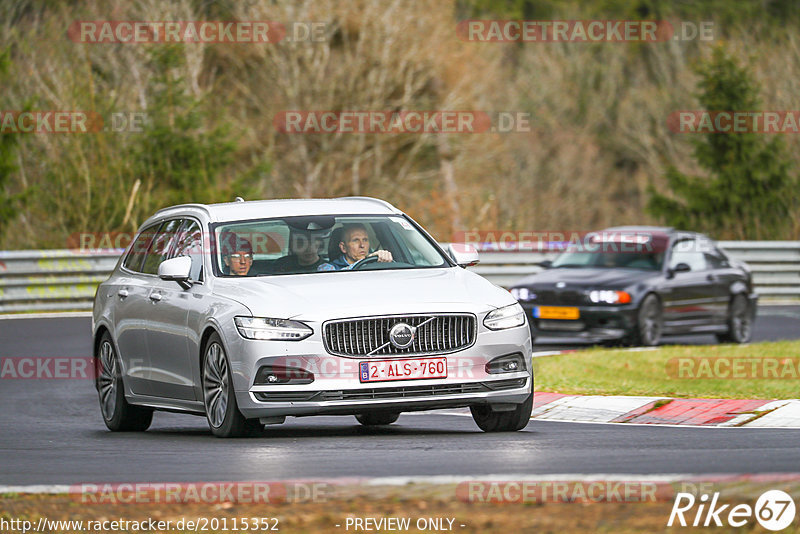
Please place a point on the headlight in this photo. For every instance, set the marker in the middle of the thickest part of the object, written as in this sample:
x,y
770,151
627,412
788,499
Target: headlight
x,y
520,293
506,317
609,297
272,329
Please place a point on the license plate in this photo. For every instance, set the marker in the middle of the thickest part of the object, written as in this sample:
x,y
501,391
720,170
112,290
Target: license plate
x,y
415,369
556,312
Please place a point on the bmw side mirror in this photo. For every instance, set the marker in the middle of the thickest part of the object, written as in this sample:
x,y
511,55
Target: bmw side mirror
x,y
177,270
463,254
679,268
546,264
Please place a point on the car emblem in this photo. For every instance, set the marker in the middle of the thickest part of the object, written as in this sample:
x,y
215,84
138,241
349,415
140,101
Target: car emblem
x,y
559,285
402,335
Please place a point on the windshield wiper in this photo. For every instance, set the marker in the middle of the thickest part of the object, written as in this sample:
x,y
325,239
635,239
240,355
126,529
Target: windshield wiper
x,y
569,266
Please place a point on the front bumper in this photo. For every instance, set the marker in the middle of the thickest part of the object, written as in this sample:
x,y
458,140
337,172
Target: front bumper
x,y
337,389
596,323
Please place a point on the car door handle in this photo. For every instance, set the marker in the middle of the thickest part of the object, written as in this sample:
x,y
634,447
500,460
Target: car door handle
x,y
155,297
711,277
122,293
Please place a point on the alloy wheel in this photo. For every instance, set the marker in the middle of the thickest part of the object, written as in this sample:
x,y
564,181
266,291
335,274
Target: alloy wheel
x,y
108,380
740,320
215,384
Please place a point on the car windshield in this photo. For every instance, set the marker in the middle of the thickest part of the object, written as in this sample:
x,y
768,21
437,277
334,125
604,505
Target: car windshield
x,y
325,243
578,258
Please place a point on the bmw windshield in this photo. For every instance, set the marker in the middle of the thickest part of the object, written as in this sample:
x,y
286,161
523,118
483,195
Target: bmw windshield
x,y
614,252
325,243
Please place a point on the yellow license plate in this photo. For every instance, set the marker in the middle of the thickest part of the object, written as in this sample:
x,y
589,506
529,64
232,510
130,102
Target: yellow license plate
x,y
556,312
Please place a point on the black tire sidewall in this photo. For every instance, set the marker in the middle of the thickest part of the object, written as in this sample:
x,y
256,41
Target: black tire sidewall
x,y
511,421
732,335
127,417
649,300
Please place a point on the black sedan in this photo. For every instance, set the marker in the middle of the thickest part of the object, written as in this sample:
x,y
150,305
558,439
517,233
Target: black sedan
x,y
634,284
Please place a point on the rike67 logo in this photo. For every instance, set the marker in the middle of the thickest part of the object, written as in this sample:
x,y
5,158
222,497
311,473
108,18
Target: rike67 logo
x,y
774,510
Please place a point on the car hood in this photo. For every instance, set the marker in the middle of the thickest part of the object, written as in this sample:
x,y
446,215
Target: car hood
x,y
587,277
322,296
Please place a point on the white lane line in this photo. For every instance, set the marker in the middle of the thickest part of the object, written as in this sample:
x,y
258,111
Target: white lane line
x,y
454,479
467,413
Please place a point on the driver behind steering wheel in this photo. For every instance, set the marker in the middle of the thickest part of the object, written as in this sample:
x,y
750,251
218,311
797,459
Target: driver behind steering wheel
x,y
354,246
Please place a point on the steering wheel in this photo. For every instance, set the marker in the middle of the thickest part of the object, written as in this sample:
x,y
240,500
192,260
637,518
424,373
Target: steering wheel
x,y
365,261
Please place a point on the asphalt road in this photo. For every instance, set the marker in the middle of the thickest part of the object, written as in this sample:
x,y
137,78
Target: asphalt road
x,y
51,432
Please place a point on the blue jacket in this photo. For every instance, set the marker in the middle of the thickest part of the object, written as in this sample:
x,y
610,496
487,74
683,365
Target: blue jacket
x,y
339,264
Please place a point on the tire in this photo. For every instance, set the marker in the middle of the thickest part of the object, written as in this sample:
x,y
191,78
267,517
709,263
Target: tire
x,y
377,419
118,414
491,421
222,413
649,323
740,321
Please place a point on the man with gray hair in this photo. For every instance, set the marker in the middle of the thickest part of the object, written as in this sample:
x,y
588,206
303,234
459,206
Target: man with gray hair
x,y
354,246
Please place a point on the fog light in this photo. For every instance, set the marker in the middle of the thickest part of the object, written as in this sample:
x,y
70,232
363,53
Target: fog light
x,y
273,374
510,363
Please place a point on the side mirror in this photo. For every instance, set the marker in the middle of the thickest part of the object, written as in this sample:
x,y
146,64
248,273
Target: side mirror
x,y
679,268
177,270
682,268
463,254
546,264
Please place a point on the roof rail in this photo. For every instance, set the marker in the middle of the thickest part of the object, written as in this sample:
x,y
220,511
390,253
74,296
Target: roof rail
x,y
372,199
198,206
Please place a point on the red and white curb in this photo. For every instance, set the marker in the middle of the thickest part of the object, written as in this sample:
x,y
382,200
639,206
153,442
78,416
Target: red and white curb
x,y
666,411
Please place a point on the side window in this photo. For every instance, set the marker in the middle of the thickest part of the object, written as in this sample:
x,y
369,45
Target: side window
x,y
688,252
190,243
133,261
160,246
716,260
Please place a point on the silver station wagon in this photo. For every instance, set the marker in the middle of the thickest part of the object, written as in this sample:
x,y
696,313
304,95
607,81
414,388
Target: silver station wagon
x,y
248,312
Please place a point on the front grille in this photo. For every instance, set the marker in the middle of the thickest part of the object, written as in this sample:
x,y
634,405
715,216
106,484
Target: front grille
x,y
393,392
435,334
560,325
556,297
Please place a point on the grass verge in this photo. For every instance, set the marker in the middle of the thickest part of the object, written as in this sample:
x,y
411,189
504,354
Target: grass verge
x,y
757,371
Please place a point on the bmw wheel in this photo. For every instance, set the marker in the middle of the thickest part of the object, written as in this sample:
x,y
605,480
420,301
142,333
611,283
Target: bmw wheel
x,y
118,414
649,323
489,420
740,322
222,412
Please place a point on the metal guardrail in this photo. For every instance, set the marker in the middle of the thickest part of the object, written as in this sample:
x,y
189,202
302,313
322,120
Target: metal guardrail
x,y
41,280
775,265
